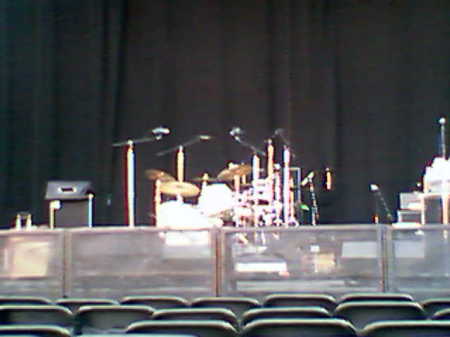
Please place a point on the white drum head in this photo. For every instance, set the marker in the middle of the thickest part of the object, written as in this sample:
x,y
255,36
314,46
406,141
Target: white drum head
x,y
215,199
178,215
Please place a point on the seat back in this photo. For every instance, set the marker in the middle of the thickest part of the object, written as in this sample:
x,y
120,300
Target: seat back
x,y
156,302
423,328
362,313
284,312
73,304
442,315
109,318
36,314
326,327
34,330
26,300
218,314
374,296
297,300
433,305
238,305
198,328
136,335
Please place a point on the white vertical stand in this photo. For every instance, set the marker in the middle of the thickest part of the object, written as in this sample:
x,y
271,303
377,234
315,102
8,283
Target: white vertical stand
x,y
130,184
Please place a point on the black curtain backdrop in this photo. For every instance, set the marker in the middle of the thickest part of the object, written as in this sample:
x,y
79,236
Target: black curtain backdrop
x,y
358,86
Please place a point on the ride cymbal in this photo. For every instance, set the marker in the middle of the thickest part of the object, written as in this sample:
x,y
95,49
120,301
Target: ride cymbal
x,y
154,174
238,170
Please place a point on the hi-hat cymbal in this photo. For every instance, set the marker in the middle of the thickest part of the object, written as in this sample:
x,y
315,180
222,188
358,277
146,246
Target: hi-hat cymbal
x,y
154,174
238,170
183,189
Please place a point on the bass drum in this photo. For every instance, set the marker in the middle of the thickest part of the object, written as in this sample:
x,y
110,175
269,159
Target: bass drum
x,y
215,200
178,215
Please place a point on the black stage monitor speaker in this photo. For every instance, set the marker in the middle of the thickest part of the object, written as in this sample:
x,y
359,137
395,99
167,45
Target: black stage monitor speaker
x,y
70,203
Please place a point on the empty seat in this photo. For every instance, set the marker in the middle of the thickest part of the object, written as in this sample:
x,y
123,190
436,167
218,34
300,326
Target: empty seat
x,y
284,312
156,302
296,300
34,330
376,297
326,327
433,305
218,314
36,314
109,318
362,313
73,304
407,329
236,304
27,300
443,314
198,328
137,335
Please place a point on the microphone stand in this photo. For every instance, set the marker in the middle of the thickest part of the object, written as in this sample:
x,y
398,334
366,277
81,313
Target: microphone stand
x,y
376,190
314,206
246,144
180,154
130,194
192,141
376,215
443,145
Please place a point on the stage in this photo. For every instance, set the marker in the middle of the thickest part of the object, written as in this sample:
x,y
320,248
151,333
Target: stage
x,y
116,261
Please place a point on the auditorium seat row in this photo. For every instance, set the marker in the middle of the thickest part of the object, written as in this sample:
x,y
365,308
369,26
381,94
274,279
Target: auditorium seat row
x,y
237,304
357,317
260,328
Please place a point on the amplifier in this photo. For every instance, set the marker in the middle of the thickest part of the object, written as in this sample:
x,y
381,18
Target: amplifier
x,y
70,203
409,216
411,200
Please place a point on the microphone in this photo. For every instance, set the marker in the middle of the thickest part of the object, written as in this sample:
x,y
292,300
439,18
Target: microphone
x,y
278,132
204,137
307,179
374,188
160,130
236,131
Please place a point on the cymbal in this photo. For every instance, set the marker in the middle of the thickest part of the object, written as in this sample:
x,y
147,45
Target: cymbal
x,y
238,170
206,179
154,174
183,189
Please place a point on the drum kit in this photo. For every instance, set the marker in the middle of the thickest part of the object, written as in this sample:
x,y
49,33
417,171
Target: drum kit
x,y
239,195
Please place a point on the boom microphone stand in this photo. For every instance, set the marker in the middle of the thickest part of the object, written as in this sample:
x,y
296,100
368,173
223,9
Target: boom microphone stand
x,y
130,194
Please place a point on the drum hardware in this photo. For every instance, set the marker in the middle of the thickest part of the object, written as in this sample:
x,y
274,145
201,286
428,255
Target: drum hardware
x,y
159,177
257,202
177,188
288,196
